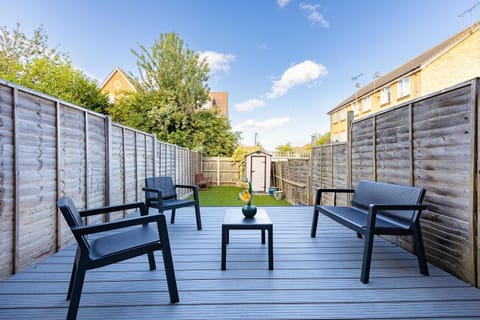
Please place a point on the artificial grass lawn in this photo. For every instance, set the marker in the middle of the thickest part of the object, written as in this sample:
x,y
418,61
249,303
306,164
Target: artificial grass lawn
x,y
228,197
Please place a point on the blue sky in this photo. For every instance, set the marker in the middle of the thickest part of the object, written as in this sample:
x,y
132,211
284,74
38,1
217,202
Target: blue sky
x,y
284,63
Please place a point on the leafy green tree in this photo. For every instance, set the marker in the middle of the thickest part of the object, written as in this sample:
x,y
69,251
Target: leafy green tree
x,y
323,139
170,90
29,62
284,149
238,156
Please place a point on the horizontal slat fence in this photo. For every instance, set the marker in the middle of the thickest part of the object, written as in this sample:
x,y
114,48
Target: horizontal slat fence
x,y
430,142
50,148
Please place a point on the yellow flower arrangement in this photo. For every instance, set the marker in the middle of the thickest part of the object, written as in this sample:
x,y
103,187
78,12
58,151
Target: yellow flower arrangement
x,y
247,195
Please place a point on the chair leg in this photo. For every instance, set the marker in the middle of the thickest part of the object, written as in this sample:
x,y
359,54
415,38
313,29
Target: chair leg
x,y
172,218
151,261
420,250
197,216
313,231
74,273
367,257
76,293
167,260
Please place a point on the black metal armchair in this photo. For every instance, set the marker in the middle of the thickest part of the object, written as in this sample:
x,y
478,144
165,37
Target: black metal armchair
x,y
161,193
137,239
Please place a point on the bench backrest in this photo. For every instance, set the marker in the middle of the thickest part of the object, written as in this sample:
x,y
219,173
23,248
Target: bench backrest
x,y
370,192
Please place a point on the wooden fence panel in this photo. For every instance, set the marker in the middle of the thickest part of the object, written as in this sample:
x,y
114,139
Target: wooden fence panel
x,y
363,151
72,162
221,171
96,163
117,178
36,167
340,173
393,148
141,165
443,135
7,183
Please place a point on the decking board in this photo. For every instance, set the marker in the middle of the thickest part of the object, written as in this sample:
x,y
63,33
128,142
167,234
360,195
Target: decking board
x,y
314,278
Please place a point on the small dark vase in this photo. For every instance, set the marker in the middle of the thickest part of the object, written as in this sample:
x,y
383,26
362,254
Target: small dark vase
x,y
249,211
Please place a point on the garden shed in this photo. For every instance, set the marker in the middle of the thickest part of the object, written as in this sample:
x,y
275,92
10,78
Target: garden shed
x,y
258,170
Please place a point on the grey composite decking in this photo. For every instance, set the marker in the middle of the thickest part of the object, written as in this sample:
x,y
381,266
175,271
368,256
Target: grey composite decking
x,y
314,278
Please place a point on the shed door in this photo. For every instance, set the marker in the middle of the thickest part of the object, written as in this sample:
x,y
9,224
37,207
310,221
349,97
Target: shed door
x,y
258,172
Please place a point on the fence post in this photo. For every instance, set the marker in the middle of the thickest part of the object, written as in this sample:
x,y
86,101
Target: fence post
x,y
350,119
218,171
108,169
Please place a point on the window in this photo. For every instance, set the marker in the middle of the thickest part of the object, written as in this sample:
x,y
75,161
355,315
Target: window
x,y
385,95
356,107
343,114
367,103
404,87
335,117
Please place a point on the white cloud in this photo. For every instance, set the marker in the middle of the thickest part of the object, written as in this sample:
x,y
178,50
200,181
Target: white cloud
x,y
313,15
268,124
249,105
283,3
217,61
301,73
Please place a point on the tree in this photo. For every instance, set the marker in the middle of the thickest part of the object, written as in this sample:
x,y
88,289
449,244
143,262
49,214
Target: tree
x,y
323,139
238,156
284,149
29,62
170,90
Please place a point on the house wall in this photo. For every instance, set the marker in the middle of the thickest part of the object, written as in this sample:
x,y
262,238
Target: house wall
x,y
454,66
117,85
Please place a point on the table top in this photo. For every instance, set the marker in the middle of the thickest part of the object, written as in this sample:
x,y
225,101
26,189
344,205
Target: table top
x,y
235,216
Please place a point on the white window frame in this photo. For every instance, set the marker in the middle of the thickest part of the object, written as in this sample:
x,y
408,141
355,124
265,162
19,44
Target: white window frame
x,y
403,87
367,103
335,117
385,95
343,114
356,107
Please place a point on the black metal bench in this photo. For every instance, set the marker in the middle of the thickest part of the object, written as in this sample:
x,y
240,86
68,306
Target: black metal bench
x,y
381,209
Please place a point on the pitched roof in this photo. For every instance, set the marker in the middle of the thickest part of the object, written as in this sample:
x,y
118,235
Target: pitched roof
x,y
122,73
412,65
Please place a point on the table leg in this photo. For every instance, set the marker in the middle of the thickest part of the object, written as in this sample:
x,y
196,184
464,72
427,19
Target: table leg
x,y
263,235
224,247
270,248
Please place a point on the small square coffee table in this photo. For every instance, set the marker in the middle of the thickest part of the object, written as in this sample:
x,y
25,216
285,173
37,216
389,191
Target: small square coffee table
x,y
235,220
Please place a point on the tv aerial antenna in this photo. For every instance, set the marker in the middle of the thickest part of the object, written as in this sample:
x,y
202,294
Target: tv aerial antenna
x,y
469,12
355,78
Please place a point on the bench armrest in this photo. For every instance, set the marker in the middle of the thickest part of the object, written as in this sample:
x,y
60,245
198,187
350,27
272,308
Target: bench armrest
x,y
318,196
374,208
